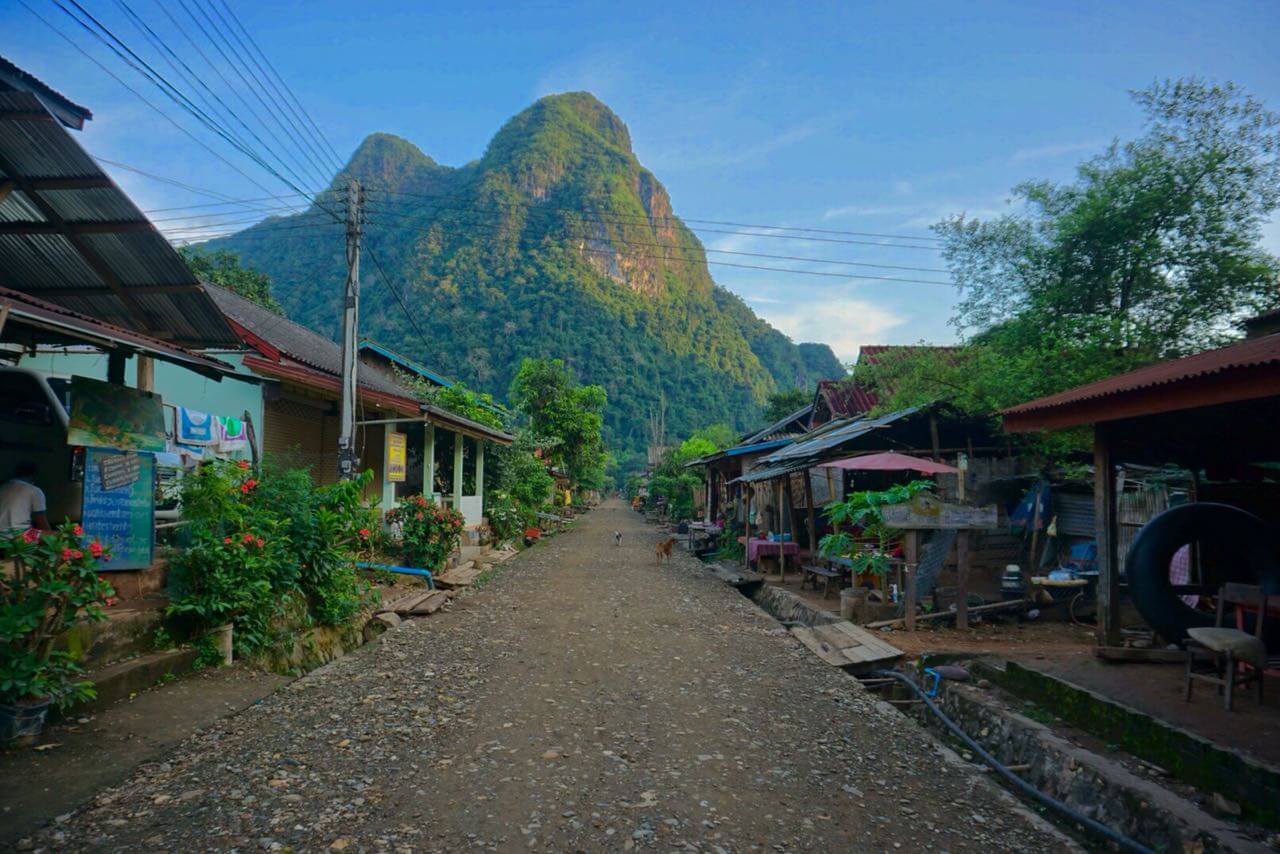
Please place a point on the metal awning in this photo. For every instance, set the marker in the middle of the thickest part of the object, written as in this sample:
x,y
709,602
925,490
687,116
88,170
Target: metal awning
x,y
770,472
830,437
70,236
29,322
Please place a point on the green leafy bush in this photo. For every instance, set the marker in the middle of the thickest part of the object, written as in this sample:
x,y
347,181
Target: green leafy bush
x,y
54,582
429,532
863,510
269,546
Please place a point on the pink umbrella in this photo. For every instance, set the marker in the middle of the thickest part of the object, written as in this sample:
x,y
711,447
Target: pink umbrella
x,y
890,461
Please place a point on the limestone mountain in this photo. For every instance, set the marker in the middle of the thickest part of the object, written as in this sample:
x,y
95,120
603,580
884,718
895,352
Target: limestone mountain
x,y
556,242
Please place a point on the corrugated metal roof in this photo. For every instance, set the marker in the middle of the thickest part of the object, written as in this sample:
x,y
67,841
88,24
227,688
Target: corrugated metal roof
x,y
49,323
312,350
1250,353
739,450
782,427
12,75
294,340
70,236
770,472
835,434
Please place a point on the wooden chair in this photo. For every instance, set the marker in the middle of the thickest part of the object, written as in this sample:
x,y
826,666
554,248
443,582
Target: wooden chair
x,y
1230,646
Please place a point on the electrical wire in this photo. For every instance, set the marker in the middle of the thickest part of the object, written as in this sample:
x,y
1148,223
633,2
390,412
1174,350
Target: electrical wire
x,y
211,100
643,219
627,242
316,136
116,45
306,148
701,261
141,98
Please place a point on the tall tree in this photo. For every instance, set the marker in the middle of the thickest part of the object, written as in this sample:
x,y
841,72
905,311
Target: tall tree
x,y
565,416
223,267
1153,251
1154,246
780,404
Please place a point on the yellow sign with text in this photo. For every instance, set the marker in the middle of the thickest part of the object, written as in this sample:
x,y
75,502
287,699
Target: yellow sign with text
x,y
397,459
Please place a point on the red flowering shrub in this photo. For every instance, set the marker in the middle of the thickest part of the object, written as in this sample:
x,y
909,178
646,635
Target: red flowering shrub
x,y
428,532
53,583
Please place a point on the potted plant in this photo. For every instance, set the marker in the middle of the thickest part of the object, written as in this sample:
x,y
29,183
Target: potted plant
x,y
869,551
49,581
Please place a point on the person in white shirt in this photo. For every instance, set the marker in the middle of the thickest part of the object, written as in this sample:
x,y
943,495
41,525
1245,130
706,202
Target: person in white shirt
x,y
22,503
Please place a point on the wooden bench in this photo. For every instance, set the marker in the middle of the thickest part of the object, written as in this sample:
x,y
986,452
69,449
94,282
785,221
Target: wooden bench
x,y
812,572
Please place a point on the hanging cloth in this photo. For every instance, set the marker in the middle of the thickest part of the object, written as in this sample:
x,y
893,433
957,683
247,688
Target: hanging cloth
x,y
1032,512
232,435
196,428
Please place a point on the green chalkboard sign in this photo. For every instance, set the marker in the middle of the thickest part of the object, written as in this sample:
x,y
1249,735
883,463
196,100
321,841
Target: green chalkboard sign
x,y
117,513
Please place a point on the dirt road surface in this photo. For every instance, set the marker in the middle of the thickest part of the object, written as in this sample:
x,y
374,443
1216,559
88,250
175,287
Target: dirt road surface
x,y
585,700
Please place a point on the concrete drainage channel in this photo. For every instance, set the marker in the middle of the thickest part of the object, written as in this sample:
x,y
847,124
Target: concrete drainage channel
x,y
1140,814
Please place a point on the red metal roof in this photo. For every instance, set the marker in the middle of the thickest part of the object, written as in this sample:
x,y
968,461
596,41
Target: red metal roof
x,y
846,398
1243,371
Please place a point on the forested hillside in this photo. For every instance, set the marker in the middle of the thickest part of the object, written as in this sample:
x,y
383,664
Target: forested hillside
x,y
558,243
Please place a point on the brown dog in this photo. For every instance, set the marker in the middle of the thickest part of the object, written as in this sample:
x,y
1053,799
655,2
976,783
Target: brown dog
x,y
662,551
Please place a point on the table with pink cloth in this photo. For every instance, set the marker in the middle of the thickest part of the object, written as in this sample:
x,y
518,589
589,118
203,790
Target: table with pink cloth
x,y
756,547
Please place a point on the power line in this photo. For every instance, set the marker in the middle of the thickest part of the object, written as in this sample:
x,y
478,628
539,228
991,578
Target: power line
x,y
212,100
141,98
229,201
234,68
297,208
404,306
316,135
548,233
644,219
306,148
159,81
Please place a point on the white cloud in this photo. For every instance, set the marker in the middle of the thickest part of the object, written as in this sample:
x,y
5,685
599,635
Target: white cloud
x,y
844,323
1047,152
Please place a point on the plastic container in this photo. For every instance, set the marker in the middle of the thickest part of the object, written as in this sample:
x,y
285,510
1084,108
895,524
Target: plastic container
x,y
22,720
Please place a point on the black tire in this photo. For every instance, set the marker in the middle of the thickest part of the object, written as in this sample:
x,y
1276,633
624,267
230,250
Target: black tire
x,y
1246,549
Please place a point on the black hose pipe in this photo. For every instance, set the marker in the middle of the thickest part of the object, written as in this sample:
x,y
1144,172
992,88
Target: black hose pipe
x,y
1097,827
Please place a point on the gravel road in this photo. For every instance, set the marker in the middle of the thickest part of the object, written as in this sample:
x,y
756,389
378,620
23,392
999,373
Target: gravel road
x,y
585,700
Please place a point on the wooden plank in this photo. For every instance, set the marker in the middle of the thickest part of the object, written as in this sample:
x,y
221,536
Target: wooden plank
x,y
962,580
1107,534
461,576
925,513
912,554
812,512
1128,653
945,615
847,646
429,604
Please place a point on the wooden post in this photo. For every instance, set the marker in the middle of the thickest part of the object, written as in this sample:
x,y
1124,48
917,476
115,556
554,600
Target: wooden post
x,y
787,526
962,579
1104,514
457,471
912,550
746,525
428,459
933,436
146,373
813,518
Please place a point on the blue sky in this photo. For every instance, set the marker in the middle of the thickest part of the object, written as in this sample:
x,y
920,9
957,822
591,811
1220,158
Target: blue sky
x,y
878,117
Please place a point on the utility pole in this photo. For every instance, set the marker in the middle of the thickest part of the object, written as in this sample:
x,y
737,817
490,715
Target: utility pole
x,y
347,461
